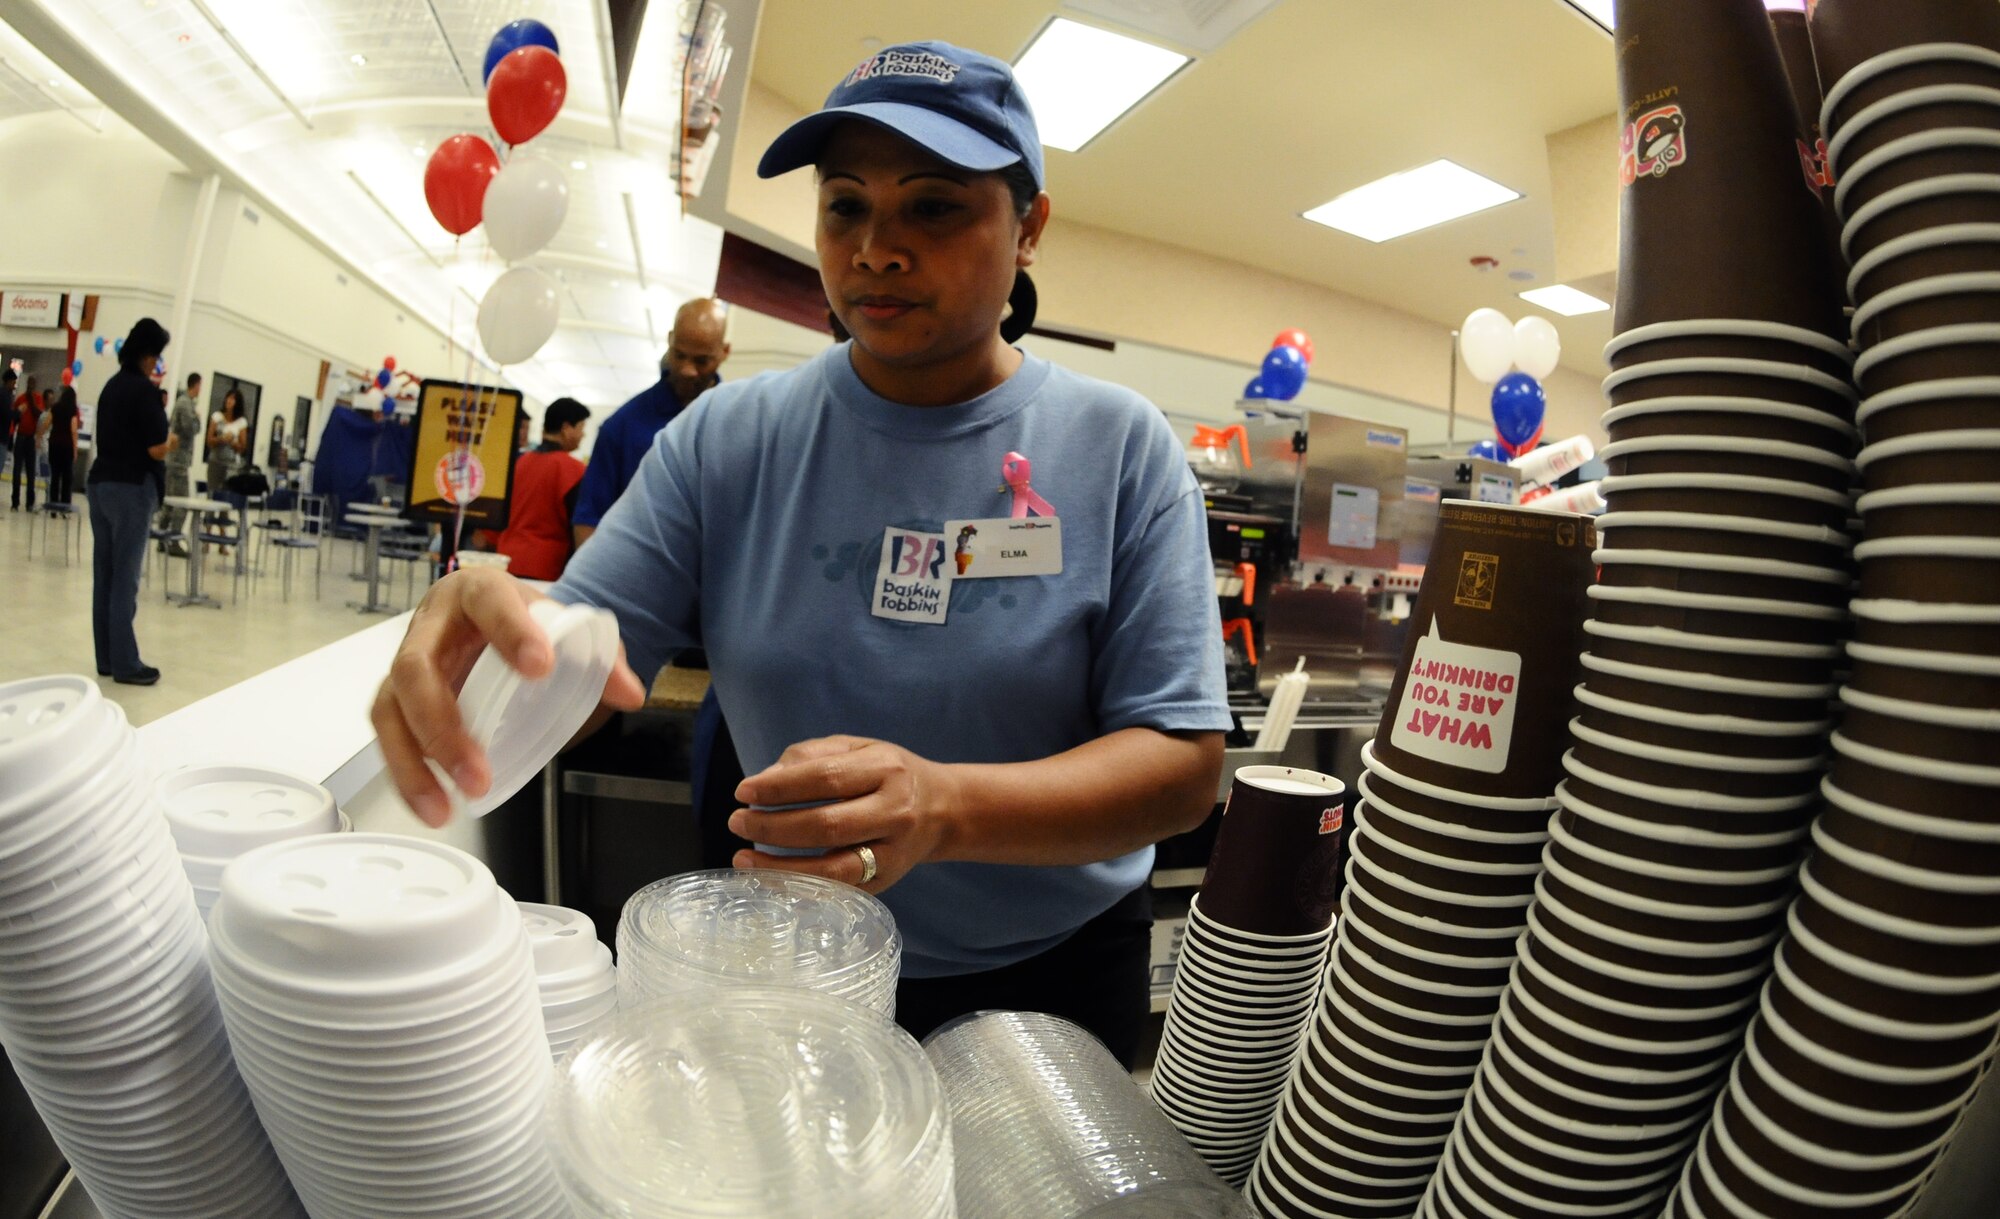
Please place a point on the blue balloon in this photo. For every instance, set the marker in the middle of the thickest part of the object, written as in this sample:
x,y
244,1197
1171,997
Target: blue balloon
x,y
76,368
119,346
1489,449
1257,389
527,32
100,344
383,378
1518,407
1284,372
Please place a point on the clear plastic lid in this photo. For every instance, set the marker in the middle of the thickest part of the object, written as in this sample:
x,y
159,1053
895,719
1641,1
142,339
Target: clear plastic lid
x,y
780,1103
764,926
522,724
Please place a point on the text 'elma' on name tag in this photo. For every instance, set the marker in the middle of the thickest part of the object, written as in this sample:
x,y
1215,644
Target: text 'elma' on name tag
x,y
1005,546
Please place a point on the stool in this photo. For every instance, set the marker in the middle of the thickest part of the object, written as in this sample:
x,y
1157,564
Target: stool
x,y
163,539
219,540
66,513
291,546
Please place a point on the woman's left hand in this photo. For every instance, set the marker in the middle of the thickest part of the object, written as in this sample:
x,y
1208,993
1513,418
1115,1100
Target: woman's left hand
x,y
881,796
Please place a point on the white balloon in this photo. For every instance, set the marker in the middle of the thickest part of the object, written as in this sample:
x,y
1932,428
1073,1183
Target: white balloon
x,y
1487,343
525,205
1537,346
518,315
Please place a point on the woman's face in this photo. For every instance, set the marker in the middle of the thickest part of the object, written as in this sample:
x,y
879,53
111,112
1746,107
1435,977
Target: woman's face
x,y
917,256
231,404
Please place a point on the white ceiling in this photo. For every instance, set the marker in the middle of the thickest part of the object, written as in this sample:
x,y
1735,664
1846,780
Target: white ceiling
x,y
329,110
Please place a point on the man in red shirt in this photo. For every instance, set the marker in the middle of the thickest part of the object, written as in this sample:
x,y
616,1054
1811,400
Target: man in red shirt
x,y
537,540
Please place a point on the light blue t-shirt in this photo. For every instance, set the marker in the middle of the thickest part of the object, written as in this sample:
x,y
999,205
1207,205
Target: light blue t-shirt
x,y
754,528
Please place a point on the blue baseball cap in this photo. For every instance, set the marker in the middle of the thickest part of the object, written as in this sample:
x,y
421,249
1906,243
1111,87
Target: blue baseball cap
x,y
964,108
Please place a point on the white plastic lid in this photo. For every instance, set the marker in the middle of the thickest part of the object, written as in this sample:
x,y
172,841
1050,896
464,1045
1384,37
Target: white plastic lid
x,y
564,940
522,724
46,724
360,908
219,812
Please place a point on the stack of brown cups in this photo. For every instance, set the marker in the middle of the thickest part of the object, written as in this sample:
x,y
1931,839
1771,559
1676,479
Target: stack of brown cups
x,y
1251,963
1708,663
1879,1018
1443,860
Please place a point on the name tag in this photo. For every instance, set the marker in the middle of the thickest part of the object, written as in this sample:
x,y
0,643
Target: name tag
x,y
1005,546
913,581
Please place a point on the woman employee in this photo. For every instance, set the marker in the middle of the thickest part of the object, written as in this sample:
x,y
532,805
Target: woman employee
x,y
993,752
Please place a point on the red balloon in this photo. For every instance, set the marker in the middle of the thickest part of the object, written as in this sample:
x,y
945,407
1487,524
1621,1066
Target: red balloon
x,y
525,92
1295,338
389,362
68,376
456,179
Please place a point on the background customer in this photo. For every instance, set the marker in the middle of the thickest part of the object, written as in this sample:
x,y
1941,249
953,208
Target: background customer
x,y
131,439
63,423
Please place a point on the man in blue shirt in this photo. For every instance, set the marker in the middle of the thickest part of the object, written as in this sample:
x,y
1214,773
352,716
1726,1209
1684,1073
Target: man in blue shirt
x,y
696,348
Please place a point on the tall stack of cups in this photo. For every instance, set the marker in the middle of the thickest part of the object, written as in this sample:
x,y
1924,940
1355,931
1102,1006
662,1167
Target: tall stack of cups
x,y
380,995
106,1008
1251,963
1710,652
1446,847
1878,1020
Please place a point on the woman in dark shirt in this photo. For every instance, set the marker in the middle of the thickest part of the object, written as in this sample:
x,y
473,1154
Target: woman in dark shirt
x,y
64,422
132,440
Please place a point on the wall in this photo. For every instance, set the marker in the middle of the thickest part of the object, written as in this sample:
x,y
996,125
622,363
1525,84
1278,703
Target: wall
x,y
109,213
1118,286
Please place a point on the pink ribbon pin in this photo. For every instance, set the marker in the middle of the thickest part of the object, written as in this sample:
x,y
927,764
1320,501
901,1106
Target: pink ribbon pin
x,y
1017,470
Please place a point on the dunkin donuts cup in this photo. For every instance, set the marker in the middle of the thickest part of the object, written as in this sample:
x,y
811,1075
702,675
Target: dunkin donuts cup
x,y
1950,570
1911,112
1776,499
1275,870
1932,203
1788,27
1740,457
1958,455
1970,349
1771,380
1710,145
1738,536
1953,404
1482,690
1728,338
1726,740
1762,660
1963,509
1937,153
1961,680
1865,53
1751,418
1949,249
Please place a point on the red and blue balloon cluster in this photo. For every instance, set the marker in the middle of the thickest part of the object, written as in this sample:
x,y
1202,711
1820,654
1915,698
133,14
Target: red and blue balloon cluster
x,y
1285,367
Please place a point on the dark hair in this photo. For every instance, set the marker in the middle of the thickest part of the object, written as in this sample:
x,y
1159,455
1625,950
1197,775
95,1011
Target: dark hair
x,y
235,393
66,398
194,379
9,375
1020,184
563,412
146,342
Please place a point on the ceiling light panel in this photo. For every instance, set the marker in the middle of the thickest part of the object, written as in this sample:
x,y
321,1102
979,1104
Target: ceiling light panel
x,y
174,57
1411,201
1080,79
1565,300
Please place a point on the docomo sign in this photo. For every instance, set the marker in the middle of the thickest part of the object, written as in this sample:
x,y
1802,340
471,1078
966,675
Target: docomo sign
x,y
31,307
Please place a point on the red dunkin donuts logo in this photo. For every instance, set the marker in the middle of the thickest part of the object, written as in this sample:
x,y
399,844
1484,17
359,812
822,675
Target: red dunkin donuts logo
x,y
1331,820
1652,144
1818,167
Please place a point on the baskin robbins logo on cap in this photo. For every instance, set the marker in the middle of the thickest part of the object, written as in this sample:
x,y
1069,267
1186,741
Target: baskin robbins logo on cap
x,y
904,63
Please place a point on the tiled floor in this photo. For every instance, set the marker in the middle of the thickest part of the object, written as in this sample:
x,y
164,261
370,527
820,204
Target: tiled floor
x,y
45,618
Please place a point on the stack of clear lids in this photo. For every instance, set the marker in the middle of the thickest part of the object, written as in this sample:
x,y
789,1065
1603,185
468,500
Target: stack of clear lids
x,y
219,812
1047,1122
728,928
106,1009
573,972
778,1103
380,994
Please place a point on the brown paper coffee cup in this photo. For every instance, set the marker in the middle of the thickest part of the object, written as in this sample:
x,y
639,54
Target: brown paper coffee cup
x,y
1722,741
1771,499
1857,34
1937,153
1710,145
1275,869
1949,250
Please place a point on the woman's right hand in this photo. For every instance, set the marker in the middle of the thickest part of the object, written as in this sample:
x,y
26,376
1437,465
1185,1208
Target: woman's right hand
x,y
416,711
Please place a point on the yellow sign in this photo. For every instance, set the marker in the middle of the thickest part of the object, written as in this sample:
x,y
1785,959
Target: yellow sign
x,y
464,453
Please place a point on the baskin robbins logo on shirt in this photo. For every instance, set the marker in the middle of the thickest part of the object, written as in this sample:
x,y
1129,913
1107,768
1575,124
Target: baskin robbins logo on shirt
x,y
904,63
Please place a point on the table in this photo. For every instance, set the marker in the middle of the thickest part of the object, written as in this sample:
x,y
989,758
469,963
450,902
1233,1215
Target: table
x,y
196,506
374,520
